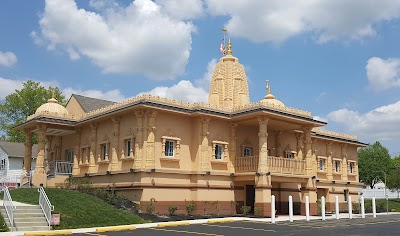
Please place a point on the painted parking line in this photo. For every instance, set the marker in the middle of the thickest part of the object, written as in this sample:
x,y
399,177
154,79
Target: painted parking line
x,y
93,234
238,227
184,231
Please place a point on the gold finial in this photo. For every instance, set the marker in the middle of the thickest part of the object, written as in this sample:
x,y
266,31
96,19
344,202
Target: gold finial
x,y
268,87
52,93
229,52
224,29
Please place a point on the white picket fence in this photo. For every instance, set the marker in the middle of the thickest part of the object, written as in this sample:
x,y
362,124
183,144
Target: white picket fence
x,y
380,193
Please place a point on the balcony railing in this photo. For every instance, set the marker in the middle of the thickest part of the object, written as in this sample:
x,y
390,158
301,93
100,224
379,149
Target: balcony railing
x,y
59,168
275,165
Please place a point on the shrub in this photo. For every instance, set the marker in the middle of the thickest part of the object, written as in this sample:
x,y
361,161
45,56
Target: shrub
x,y
172,209
245,209
233,207
150,208
258,211
190,207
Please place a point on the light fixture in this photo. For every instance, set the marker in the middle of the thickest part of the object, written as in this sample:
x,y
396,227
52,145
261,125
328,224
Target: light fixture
x,y
268,173
153,170
108,172
208,173
333,181
314,177
232,174
132,170
258,174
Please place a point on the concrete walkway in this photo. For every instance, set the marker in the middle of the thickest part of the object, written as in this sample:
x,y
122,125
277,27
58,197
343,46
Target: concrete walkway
x,y
17,203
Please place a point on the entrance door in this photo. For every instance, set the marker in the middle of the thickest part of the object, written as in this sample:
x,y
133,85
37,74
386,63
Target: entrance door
x,y
250,196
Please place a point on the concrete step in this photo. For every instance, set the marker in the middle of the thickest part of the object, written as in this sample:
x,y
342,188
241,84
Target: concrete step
x,y
30,224
32,228
32,219
25,211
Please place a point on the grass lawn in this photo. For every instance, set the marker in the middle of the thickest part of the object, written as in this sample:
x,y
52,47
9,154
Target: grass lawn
x,y
394,205
78,210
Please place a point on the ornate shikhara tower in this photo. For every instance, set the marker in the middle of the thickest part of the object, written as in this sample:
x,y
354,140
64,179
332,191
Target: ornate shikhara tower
x,y
228,87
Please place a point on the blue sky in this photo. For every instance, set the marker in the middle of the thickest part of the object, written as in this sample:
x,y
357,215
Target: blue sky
x,y
339,60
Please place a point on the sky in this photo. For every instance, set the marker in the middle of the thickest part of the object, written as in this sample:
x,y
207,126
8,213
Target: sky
x,y
340,60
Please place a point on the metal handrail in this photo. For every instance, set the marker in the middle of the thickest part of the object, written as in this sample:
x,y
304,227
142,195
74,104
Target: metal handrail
x,y
45,204
9,206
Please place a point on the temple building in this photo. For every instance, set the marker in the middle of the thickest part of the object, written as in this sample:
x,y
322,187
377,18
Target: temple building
x,y
218,155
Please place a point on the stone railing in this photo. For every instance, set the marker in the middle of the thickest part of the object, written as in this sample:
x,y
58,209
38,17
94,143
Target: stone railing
x,y
275,165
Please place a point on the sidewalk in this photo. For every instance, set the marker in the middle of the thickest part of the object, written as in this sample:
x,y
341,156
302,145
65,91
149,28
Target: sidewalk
x,y
215,220
17,203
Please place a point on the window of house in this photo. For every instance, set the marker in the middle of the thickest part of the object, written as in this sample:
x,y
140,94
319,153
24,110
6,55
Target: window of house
x,y
289,155
129,147
169,148
337,166
69,155
351,167
218,151
104,151
321,164
3,164
247,151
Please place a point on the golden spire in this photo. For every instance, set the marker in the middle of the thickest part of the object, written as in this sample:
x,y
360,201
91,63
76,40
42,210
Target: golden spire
x,y
52,93
229,52
269,95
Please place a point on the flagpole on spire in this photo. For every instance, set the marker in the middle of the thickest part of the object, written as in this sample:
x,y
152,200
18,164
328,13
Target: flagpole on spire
x,y
223,43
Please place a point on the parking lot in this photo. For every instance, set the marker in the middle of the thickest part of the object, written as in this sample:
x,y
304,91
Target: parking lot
x,y
383,225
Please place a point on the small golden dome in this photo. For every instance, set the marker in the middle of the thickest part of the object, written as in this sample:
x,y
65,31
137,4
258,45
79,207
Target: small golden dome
x,y
270,100
52,108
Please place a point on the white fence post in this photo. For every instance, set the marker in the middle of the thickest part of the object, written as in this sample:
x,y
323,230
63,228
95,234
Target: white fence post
x,y
362,207
323,207
273,209
290,209
373,207
350,207
337,207
307,209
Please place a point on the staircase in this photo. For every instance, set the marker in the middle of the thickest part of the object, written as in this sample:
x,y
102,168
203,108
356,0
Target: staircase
x,y
27,218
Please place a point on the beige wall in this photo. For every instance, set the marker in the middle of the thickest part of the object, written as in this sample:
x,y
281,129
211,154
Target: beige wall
x,y
74,108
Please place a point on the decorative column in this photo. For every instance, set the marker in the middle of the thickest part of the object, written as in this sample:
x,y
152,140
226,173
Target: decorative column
x,y
232,147
278,148
344,162
28,152
77,145
204,156
299,137
138,164
115,144
309,189
329,160
39,176
92,154
263,183
150,145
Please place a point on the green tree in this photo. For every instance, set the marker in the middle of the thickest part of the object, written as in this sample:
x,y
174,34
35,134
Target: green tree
x,y
393,181
16,107
374,163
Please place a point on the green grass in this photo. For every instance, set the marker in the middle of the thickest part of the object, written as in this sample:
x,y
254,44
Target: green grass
x,y
78,210
3,226
394,205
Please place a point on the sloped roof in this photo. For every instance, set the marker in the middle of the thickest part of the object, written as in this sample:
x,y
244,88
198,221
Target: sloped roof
x,y
17,149
90,104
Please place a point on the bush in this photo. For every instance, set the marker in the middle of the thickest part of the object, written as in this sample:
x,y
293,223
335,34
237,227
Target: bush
x,y
150,208
190,207
172,209
245,209
258,211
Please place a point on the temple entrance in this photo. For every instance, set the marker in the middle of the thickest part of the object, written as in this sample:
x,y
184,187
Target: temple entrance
x,y
250,196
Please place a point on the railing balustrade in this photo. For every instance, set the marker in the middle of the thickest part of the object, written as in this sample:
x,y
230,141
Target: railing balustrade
x,y
8,205
59,168
45,204
275,165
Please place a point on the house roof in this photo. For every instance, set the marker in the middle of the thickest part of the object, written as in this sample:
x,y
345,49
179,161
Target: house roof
x,y
17,149
90,104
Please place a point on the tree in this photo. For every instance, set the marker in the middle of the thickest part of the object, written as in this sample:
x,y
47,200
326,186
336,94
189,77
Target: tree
x,y
374,163
393,181
17,106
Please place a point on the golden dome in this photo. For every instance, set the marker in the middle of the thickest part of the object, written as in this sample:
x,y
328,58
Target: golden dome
x,y
52,108
270,100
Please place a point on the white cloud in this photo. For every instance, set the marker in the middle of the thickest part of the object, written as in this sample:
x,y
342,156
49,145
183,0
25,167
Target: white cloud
x,y
139,38
320,118
183,90
103,4
187,9
206,80
8,86
381,123
277,20
7,59
383,74
112,95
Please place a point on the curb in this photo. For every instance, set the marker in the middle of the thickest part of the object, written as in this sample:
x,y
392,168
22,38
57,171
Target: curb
x,y
220,221
55,232
179,223
115,228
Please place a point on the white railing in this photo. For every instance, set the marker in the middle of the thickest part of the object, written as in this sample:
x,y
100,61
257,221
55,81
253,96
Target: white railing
x,y
8,205
45,204
286,165
380,193
59,168
10,181
26,179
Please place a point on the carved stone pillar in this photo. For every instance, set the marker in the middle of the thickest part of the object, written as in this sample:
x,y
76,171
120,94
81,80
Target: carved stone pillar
x,y
92,154
278,146
28,151
39,169
115,144
344,162
150,145
138,164
308,150
232,147
299,137
204,157
263,144
77,145
329,160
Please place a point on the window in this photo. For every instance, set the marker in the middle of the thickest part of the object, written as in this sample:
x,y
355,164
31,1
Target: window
x,y
345,194
169,148
289,155
3,164
218,151
69,155
104,152
321,164
351,167
129,147
337,166
247,151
